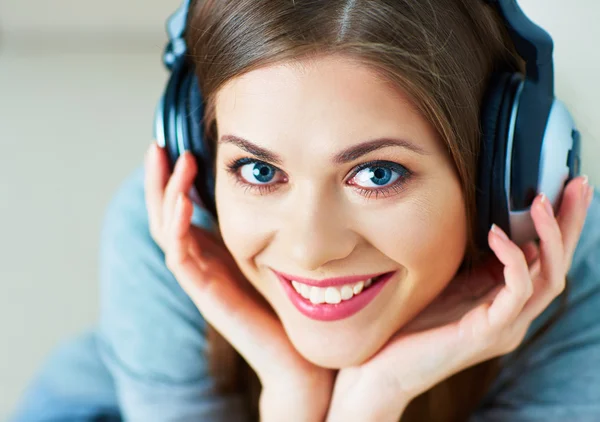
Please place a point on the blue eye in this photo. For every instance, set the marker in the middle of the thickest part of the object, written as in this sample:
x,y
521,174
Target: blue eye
x,y
377,175
382,178
262,172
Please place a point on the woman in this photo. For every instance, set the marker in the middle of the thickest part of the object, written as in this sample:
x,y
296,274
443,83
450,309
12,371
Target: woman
x,y
196,318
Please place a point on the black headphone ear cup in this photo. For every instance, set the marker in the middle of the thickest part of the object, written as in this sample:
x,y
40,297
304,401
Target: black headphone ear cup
x,y
183,126
501,174
490,181
171,110
201,149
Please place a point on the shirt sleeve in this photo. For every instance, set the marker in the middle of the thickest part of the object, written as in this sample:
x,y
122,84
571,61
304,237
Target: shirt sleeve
x,y
151,335
557,378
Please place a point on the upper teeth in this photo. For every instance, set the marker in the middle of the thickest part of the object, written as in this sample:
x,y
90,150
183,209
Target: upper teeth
x,y
330,294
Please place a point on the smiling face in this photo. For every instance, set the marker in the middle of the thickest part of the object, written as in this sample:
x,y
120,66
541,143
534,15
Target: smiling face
x,y
304,202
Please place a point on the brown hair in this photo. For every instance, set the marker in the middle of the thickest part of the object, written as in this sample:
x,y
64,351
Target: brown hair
x,y
440,52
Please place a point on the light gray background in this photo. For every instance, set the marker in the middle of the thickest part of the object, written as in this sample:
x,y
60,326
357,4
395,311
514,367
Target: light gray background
x,y
79,81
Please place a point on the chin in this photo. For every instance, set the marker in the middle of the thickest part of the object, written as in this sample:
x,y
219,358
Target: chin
x,y
333,354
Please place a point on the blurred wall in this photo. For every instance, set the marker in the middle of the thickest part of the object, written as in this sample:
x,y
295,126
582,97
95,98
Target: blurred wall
x,y
79,81
84,15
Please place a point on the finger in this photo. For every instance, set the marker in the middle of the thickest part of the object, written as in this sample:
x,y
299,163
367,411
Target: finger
x,y
551,280
156,175
177,237
518,286
253,331
572,214
182,215
180,181
552,252
531,252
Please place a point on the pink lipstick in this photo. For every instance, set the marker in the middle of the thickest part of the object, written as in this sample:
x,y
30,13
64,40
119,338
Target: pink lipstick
x,y
337,311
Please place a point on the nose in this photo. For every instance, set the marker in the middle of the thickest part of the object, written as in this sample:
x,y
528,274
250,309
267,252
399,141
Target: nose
x,y
316,232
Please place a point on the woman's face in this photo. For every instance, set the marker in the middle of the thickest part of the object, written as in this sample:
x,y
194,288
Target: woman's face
x,y
305,203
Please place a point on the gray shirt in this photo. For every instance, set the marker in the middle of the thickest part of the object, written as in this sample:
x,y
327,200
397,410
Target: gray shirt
x,y
557,378
145,361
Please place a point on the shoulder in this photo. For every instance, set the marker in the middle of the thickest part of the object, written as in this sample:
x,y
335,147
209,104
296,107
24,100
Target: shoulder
x,y
151,336
149,326
127,208
551,378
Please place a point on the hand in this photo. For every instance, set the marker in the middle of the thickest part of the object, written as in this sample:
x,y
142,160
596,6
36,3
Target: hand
x,y
292,387
452,333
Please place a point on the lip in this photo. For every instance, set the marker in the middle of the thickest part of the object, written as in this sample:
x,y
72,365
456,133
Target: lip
x,y
335,281
334,312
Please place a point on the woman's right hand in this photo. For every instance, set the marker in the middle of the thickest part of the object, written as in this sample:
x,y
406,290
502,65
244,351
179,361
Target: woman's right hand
x,y
292,387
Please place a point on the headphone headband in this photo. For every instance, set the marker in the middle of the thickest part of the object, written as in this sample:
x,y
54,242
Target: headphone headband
x,y
176,30
532,42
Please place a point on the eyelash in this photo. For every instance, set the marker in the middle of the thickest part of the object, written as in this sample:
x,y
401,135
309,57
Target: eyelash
x,y
396,187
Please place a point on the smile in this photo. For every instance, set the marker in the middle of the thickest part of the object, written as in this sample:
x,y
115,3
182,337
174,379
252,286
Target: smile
x,y
332,299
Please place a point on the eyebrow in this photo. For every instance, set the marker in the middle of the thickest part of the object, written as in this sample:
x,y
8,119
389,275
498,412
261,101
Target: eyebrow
x,y
349,154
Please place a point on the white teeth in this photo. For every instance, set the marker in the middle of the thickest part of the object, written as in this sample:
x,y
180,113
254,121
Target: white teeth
x,y
330,294
317,295
305,291
358,287
346,292
333,295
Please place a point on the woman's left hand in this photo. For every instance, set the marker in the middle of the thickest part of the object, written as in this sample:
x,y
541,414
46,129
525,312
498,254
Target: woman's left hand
x,y
462,327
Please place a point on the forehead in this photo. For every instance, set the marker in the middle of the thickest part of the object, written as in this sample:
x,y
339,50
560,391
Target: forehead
x,y
329,97
330,79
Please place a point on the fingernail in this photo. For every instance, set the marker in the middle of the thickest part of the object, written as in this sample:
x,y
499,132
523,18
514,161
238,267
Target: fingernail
x,y
585,188
547,205
499,232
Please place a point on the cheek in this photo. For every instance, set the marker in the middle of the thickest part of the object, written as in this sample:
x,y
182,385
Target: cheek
x,y
243,229
427,234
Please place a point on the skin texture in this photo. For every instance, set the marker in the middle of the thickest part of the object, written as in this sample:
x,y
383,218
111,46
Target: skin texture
x,y
314,221
331,228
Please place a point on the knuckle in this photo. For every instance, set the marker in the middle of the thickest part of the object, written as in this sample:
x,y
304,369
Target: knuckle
x,y
172,261
512,346
519,255
558,234
516,340
488,343
157,236
568,262
154,232
528,289
559,285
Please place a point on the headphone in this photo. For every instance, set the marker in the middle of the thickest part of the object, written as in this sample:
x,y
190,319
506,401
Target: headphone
x,y
529,141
